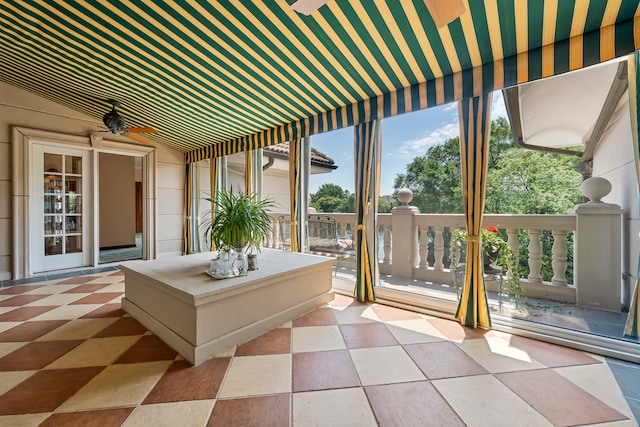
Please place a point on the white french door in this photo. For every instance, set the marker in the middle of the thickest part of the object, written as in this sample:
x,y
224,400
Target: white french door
x,y
61,208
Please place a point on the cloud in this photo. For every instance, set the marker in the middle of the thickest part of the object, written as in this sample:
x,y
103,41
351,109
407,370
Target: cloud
x,y
418,146
498,109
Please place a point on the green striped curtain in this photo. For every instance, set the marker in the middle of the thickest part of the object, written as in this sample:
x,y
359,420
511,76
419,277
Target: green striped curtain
x,y
475,119
213,185
294,186
192,218
631,327
367,169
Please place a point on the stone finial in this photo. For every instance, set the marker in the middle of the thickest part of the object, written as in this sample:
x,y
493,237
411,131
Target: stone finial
x,y
595,188
404,196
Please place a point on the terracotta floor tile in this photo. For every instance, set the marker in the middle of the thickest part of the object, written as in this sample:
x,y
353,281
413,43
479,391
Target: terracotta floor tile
x,y
20,300
411,404
103,418
272,411
18,289
182,381
276,341
386,313
454,331
107,310
86,288
149,348
323,370
558,399
25,313
29,331
45,390
551,355
98,298
367,335
36,355
78,280
443,360
122,327
319,317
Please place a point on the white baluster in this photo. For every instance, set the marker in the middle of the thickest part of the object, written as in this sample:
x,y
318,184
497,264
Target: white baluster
x,y
535,256
423,247
387,245
559,258
438,248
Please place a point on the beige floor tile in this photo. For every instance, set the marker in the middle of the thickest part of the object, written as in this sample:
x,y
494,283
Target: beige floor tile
x,y
414,331
347,407
8,325
598,381
94,352
68,311
626,423
6,309
317,338
356,314
26,420
9,347
257,375
482,401
496,355
105,280
385,365
9,380
116,287
57,299
286,324
191,413
78,329
117,385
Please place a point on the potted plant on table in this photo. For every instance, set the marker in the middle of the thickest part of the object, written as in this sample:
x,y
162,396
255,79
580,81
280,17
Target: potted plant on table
x,y
239,225
495,251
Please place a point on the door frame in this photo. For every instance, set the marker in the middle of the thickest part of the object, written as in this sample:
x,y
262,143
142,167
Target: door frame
x,y
22,140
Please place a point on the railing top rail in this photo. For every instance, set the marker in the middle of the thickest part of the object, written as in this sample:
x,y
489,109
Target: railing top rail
x,y
542,222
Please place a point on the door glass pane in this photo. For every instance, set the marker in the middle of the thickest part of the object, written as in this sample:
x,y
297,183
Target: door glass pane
x,y
74,244
52,245
73,165
74,204
72,184
74,224
53,163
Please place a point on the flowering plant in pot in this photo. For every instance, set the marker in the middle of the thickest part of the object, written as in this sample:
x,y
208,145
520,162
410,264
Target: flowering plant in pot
x,y
495,250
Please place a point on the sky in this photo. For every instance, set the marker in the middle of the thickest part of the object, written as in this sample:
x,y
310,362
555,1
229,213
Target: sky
x,y
403,137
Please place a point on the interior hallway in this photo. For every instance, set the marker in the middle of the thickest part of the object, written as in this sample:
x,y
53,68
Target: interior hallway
x,y
70,356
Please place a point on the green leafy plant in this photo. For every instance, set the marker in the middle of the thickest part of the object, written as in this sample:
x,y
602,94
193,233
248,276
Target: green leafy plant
x,y
240,221
495,250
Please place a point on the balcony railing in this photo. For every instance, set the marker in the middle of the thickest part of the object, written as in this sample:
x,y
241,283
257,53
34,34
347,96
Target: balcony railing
x,y
416,246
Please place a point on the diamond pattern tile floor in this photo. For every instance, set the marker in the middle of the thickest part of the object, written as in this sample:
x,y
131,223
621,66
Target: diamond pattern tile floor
x,y
70,356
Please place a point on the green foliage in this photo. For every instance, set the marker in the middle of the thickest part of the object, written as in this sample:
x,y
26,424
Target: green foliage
x,y
333,198
240,220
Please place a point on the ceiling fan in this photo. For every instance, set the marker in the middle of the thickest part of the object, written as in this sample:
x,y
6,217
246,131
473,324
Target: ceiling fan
x,y
115,124
443,12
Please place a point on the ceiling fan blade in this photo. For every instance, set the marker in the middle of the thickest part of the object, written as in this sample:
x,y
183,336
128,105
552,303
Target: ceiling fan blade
x,y
444,12
307,7
145,129
139,138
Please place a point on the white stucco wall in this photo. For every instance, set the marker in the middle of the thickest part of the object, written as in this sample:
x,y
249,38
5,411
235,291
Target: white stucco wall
x,y
614,160
24,109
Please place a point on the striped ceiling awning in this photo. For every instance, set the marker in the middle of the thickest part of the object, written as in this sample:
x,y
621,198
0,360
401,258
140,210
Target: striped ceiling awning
x,y
223,76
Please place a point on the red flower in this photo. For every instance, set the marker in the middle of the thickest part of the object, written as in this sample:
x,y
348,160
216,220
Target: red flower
x,y
492,229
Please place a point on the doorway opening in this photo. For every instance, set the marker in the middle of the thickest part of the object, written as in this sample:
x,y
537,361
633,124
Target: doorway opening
x,y
120,207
